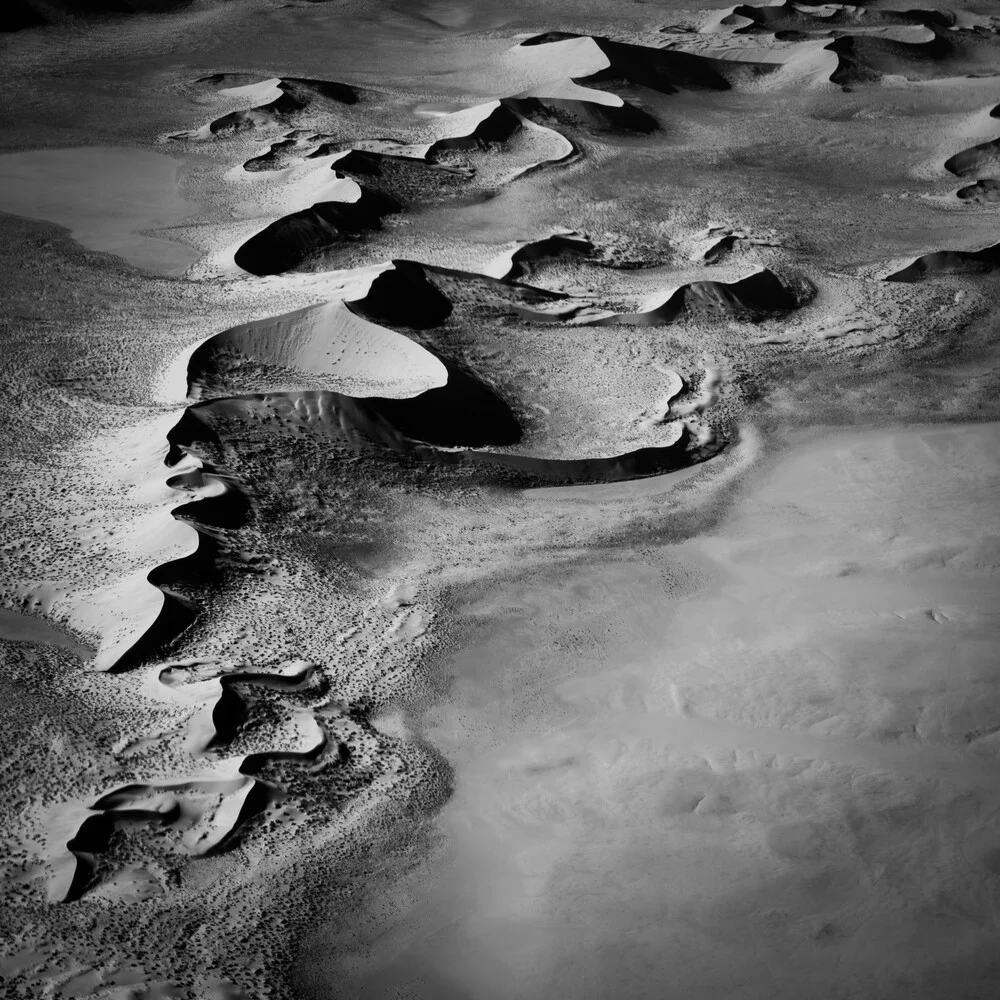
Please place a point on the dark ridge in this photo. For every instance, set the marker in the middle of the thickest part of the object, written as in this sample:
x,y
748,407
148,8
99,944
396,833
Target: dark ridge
x,y
987,191
421,296
277,157
296,95
560,113
494,130
291,241
403,297
436,430
752,298
617,468
188,430
790,16
944,262
866,58
665,70
985,155
720,249
557,247
274,682
461,413
405,178
228,716
366,423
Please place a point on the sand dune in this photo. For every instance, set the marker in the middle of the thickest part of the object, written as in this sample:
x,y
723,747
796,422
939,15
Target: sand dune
x,y
979,161
286,102
789,16
867,58
868,44
944,262
982,191
319,347
449,427
590,117
420,296
301,238
493,147
758,295
520,263
664,70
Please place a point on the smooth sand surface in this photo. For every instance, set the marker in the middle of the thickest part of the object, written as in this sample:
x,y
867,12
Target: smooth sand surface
x,y
109,198
712,787
16,626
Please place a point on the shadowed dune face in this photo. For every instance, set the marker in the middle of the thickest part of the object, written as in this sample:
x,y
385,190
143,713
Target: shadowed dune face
x,y
556,248
494,131
663,70
979,159
298,99
591,118
791,16
462,413
867,58
419,296
985,191
404,296
943,262
751,299
297,239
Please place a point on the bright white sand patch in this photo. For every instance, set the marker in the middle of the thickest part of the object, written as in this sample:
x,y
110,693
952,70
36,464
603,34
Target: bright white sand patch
x,y
327,347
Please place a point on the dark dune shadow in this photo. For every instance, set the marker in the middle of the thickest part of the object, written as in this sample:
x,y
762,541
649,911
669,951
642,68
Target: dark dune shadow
x,y
419,296
664,70
291,241
944,262
755,297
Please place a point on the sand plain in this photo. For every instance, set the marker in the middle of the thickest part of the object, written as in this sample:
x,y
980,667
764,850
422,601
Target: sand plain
x,y
501,500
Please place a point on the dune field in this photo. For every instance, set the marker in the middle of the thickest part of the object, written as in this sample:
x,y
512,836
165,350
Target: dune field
x,y
501,501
